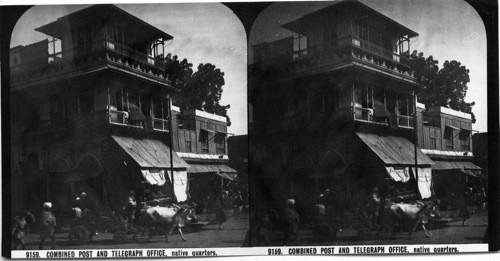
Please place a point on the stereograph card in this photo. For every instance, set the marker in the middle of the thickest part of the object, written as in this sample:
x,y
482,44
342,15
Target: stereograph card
x,y
207,129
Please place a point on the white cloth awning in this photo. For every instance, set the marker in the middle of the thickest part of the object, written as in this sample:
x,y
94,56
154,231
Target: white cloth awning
x,y
180,183
154,177
399,174
424,181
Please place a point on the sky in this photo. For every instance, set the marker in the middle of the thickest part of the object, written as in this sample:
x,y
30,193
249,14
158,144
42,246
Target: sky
x,y
448,30
203,33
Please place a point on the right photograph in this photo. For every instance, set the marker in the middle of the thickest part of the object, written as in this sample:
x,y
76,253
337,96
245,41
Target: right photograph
x,y
368,124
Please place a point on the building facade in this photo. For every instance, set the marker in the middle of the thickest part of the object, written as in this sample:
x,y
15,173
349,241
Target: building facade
x,y
333,107
445,135
201,140
91,111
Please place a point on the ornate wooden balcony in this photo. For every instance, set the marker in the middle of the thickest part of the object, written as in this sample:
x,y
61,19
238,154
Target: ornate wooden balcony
x,y
101,54
87,124
344,51
347,114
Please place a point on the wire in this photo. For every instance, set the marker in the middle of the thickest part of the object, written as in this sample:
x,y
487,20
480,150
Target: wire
x,y
171,41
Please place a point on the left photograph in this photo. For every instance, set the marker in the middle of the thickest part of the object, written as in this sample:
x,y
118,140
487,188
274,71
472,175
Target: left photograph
x,y
128,128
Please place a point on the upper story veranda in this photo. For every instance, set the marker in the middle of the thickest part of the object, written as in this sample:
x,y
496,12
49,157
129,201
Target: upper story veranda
x,y
343,34
95,38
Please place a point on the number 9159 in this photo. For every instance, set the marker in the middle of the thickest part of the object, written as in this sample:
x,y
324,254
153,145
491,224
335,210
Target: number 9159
x,y
34,254
274,251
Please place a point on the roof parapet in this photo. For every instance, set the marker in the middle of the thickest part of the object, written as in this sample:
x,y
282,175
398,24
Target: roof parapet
x,y
452,112
204,114
420,105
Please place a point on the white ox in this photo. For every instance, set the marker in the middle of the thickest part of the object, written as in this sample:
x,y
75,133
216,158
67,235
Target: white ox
x,y
418,213
167,217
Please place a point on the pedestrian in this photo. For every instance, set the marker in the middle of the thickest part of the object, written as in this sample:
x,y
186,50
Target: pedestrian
x,y
89,206
463,210
481,199
129,209
240,202
47,226
374,208
291,222
84,205
220,205
76,207
326,197
21,229
327,201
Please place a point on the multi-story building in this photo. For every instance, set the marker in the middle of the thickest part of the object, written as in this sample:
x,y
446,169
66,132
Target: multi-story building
x,y
333,107
202,142
90,112
445,135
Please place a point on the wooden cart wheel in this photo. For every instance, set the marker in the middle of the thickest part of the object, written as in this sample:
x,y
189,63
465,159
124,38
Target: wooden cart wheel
x,y
78,235
120,236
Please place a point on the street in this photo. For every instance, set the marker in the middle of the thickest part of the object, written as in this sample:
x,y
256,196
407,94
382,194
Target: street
x,y
210,235
441,233
236,227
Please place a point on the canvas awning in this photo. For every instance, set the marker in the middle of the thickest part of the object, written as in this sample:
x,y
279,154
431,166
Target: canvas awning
x,y
230,176
79,175
206,168
394,150
465,167
399,174
218,169
449,165
424,182
451,127
207,130
380,110
135,113
150,153
154,177
469,172
465,131
180,183
398,156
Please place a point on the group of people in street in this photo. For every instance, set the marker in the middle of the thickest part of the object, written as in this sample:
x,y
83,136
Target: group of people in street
x,y
86,210
470,197
264,220
224,200
24,221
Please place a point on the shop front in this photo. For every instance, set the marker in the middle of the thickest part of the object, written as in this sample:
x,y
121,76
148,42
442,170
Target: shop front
x,y
152,170
402,173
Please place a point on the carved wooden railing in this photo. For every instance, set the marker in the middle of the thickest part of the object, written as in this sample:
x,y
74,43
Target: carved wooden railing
x,y
100,52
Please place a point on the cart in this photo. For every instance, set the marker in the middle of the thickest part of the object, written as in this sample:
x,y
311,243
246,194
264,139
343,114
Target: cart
x,y
82,230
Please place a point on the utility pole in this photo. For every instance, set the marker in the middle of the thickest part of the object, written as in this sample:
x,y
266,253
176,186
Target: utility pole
x,y
415,128
47,168
171,144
